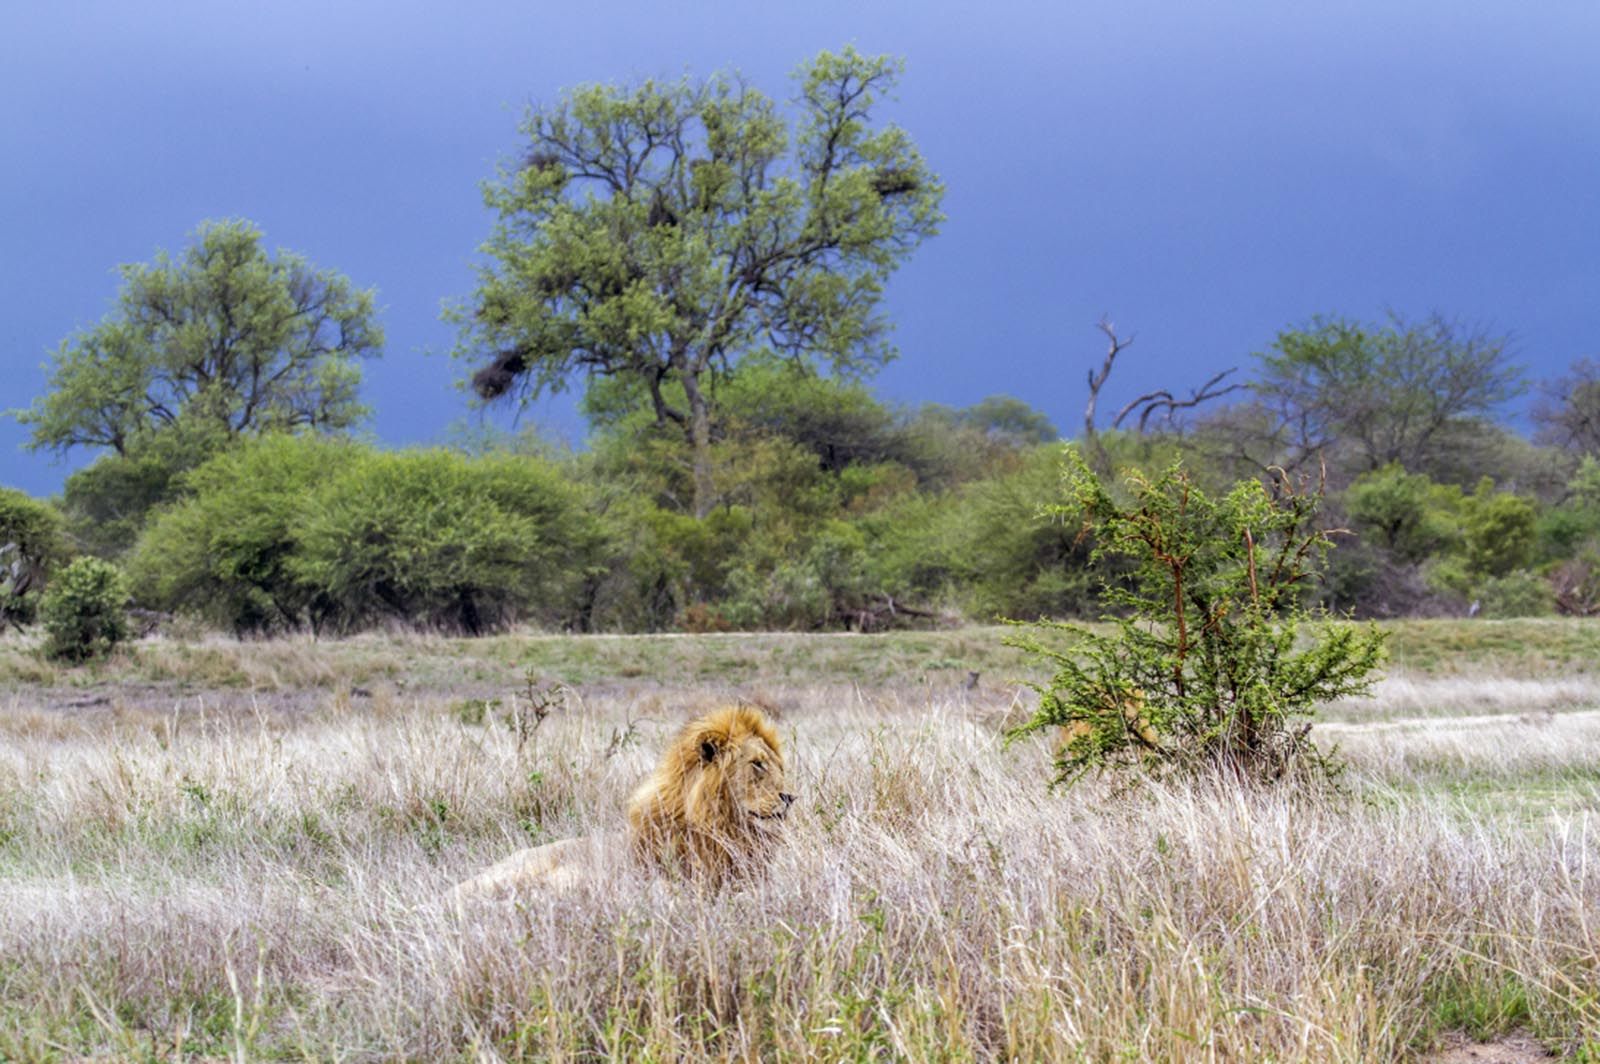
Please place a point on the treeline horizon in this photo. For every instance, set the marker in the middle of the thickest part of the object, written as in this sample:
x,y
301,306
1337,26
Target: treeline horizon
x,y
707,268
833,509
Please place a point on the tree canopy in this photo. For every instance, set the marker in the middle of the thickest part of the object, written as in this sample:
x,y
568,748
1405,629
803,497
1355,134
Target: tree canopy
x,y
222,341
1386,393
1567,411
661,232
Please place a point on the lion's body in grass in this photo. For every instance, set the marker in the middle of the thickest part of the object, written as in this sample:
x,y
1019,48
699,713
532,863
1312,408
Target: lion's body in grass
x,y
1130,703
708,811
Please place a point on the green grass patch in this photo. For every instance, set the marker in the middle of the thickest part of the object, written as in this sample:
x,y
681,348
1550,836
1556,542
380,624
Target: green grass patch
x,y
1527,648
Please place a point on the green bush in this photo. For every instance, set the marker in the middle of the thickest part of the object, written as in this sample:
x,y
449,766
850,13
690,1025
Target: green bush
x,y
775,552
437,538
818,582
1209,663
1517,594
108,502
654,558
1499,529
84,611
286,531
224,552
985,548
31,545
1407,514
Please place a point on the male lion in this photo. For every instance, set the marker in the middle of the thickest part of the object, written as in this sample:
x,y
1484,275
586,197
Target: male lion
x,y
708,810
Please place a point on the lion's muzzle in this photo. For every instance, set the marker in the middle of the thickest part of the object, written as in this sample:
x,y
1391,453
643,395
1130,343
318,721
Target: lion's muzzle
x,y
778,813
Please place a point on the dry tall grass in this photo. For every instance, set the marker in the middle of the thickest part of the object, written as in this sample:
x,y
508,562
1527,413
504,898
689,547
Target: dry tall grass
x,y
268,882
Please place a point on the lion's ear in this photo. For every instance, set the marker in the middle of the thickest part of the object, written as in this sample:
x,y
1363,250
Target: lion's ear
x,y
708,750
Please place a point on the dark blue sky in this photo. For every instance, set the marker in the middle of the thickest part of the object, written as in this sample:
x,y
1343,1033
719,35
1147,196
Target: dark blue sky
x,y
1205,174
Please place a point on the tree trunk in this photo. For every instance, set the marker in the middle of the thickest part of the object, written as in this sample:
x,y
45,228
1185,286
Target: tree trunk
x,y
700,444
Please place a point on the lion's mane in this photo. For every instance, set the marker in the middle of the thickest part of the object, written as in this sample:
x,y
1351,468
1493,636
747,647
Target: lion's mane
x,y
712,802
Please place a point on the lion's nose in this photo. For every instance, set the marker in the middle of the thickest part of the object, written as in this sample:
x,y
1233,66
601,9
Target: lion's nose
x,y
788,799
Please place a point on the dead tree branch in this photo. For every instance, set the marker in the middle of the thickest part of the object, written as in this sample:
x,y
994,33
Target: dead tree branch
x,y
1161,399
1091,440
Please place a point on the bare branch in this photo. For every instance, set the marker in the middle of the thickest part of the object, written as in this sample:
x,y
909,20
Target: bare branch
x,y
1115,346
1161,399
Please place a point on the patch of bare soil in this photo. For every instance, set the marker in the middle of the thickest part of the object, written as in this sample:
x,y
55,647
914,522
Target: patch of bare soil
x,y
1515,1048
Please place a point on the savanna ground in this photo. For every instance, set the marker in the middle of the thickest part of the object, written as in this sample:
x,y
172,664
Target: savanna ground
x,y
221,849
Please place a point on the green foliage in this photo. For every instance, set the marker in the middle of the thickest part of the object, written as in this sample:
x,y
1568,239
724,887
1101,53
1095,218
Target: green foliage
x,y
223,336
31,546
1568,543
1211,662
108,501
1469,546
1004,558
1498,530
1516,594
670,568
288,531
986,547
226,551
437,538
661,233
1572,527
837,420
820,582
949,447
1009,419
84,611
1381,393
1494,535
1407,513
219,343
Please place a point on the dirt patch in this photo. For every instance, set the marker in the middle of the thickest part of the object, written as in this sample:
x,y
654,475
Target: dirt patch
x,y
1514,1048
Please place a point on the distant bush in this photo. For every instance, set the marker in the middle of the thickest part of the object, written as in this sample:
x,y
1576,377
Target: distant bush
x,y
438,538
84,611
224,552
1500,530
1407,515
108,502
985,548
1517,594
820,582
289,531
31,545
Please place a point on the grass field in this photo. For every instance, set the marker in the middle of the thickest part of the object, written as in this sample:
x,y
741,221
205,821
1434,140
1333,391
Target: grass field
x,y
239,850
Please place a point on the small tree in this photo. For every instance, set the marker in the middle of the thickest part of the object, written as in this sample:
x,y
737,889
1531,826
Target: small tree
x,y
1409,514
84,611
1210,662
221,339
219,343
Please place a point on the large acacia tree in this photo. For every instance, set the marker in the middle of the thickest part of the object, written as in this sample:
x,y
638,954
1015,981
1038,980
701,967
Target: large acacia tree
x,y
222,341
657,234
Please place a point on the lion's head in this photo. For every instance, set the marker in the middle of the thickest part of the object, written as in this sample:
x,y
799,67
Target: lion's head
x,y
717,794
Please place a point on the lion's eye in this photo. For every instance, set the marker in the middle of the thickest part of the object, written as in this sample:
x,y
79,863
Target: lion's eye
x,y
759,766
